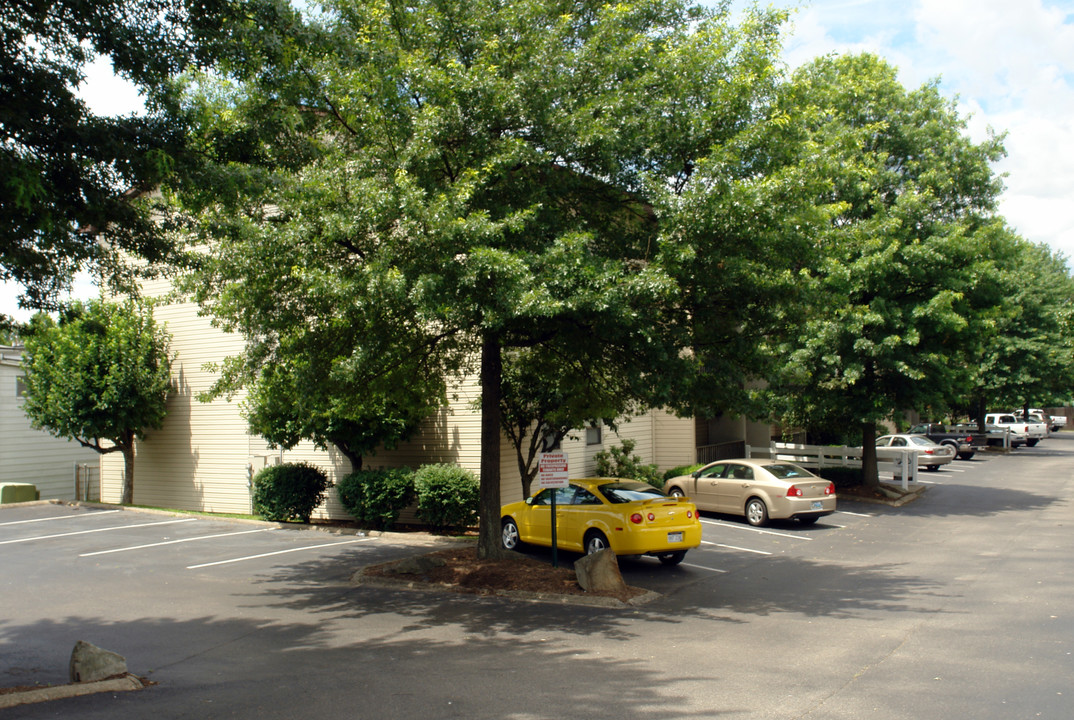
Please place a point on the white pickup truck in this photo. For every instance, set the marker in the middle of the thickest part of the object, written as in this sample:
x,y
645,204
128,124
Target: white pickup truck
x,y
1036,427
1019,431
1055,422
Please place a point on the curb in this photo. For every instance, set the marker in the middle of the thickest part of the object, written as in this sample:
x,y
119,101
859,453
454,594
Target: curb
x,y
124,683
361,579
898,501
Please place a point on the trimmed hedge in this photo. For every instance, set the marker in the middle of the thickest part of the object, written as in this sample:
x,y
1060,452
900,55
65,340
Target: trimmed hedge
x,y
376,497
291,491
449,496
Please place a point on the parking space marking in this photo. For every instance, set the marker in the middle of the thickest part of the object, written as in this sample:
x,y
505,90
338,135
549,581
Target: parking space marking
x,y
278,552
847,512
98,530
735,547
60,517
702,567
753,529
173,542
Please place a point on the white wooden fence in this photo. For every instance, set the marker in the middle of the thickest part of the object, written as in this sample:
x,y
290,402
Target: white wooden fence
x,y
900,462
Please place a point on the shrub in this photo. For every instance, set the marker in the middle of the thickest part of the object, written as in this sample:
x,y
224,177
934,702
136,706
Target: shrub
x,y
290,491
448,496
621,463
376,497
682,470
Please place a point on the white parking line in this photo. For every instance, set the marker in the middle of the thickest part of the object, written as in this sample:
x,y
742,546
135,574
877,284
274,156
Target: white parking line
x,y
62,517
702,567
278,552
735,547
173,542
847,512
86,532
753,529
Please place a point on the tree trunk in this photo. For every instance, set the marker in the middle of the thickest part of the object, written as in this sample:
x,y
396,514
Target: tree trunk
x,y
353,458
489,545
870,474
128,468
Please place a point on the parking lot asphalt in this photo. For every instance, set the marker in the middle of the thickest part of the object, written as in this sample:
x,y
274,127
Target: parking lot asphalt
x,y
956,605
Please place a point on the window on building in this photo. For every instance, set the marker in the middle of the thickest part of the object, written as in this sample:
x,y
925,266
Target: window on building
x,y
593,435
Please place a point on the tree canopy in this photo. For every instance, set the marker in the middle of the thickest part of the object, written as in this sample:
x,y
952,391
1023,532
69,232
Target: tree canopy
x,y
445,182
69,177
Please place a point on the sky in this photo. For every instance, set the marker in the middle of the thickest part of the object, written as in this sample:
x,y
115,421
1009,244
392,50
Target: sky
x,y
1008,63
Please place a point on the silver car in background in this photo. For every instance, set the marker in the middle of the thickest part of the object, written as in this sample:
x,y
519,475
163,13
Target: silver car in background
x,y
931,455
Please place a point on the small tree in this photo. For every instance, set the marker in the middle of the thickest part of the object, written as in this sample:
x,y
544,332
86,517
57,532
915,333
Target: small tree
x,y
621,462
100,377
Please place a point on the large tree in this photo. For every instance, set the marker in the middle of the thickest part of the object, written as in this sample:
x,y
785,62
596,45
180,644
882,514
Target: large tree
x,y
70,178
506,169
100,377
891,296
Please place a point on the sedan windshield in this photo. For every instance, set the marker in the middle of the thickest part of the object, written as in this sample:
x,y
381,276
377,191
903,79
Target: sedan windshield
x,y
624,492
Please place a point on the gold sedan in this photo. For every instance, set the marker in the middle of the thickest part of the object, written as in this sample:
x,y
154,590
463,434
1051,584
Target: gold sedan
x,y
758,489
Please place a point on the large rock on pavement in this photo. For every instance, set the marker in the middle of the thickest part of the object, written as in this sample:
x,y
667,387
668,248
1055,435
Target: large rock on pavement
x,y
90,663
599,572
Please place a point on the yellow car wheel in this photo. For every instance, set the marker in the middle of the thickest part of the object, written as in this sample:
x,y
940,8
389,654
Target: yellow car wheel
x,y
595,542
509,535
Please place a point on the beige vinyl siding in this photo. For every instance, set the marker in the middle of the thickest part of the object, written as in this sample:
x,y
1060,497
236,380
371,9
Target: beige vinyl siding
x,y
199,459
34,456
674,441
203,458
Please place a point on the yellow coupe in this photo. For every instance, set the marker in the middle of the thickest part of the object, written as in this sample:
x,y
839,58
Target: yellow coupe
x,y
630,517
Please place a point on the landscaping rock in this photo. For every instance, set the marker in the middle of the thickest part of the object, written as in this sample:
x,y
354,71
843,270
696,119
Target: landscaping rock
x,y
90,663
599,572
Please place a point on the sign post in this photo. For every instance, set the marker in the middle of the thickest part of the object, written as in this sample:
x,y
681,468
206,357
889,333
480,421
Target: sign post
x,y
552,473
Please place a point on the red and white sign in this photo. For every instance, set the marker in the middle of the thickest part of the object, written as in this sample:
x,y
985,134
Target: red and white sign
x,y
552,470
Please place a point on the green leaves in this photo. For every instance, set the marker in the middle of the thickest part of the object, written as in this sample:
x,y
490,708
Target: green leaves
x,y
101,376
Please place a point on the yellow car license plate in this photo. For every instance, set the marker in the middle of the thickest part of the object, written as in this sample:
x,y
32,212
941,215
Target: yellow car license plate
x,y
674,537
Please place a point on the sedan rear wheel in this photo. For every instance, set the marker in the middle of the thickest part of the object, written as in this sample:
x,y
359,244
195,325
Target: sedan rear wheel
x,y
756,512
595,542
677,492
672,558
510,536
